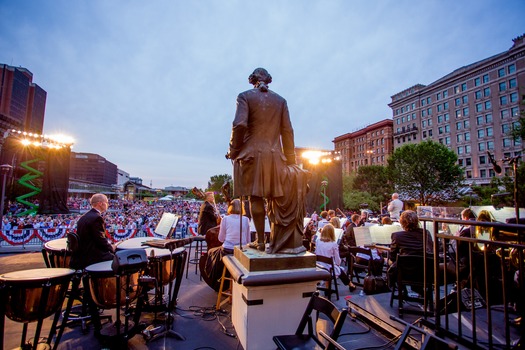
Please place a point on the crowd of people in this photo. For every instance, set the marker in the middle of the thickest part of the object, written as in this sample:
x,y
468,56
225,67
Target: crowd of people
x,y
122,214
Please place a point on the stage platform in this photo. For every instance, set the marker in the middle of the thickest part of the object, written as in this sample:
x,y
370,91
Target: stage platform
x,y
376,311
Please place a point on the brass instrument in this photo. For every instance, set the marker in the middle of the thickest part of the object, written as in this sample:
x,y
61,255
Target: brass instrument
x,y
484,233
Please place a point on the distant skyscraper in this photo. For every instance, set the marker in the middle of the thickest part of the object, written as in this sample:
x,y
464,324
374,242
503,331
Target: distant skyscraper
x,y
470,110
22,102
92,168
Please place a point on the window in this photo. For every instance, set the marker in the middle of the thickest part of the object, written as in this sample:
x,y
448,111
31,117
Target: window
x,y
460,162
481,146
504,113
429,100
423,102
429,122
456,89
457,101
483,173
447,140
402,119
485,78
447,128
423,113
465,111
439,108
460,150
482,159
514,97
488,105
424,123
459,137
506,143
466,124
490,131
512,68
445,94
501,72
464,87
488,118
481,134
438,96
424,134
429,133
479,120
446,117
467,149
469,174
445,105
468,161
502,86
514,111
505,128
478,94
464,99
440,119
467,136
477,81
459,125
492,173
479,107
440,130
458,113
503,100
486,92
490,145
512,83
429,111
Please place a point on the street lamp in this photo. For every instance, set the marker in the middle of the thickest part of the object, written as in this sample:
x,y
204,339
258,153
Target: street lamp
x,y
497,169
4,170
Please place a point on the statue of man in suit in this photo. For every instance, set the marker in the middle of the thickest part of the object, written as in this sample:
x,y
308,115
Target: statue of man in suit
x,y
264,168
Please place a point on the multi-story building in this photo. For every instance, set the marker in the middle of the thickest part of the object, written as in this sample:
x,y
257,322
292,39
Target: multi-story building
x,y
92,168
22,102
371,145
471,110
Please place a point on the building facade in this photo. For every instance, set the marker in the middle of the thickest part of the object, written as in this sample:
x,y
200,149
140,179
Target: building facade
x,y
22,102
369,146
92,168
471,110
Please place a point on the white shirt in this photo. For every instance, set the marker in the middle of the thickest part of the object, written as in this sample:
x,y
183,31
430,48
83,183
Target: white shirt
x,y
394,208
331,250
229,231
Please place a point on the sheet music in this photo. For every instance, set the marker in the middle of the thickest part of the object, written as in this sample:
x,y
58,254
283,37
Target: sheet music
x,y
362,236
167,224
383,234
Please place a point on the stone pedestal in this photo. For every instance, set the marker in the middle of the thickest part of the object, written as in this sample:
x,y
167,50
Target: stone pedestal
x,y
270,294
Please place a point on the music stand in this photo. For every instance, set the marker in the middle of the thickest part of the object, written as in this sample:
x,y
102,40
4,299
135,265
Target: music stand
x,y
166,225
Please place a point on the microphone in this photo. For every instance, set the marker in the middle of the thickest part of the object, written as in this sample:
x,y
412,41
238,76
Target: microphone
x,y
495,166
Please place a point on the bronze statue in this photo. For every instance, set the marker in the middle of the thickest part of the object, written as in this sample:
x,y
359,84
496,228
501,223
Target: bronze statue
x,y
263,153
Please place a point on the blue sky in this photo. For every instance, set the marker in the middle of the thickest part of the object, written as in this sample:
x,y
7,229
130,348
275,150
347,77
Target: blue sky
x,y
151,85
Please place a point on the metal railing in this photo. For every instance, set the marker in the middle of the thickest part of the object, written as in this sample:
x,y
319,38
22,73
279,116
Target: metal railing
x,y
478,308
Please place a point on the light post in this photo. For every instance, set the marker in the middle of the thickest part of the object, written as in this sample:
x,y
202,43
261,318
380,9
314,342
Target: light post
x,y
4,169
497,169
369,156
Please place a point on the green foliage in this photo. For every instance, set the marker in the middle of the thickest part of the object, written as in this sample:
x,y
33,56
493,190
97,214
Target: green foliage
x,y
374,180
215,185
353,199
426,172
348,183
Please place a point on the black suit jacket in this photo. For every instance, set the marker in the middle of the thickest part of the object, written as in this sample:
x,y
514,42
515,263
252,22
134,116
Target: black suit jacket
x,y
409,243
207,218
93,246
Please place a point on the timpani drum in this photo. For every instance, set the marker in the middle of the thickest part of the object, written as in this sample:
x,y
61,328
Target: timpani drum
x,y
58,253
24,292
160,261
103,285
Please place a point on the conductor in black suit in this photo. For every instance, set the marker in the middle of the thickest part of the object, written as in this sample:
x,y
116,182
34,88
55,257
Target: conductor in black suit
x,y
93,246
208,216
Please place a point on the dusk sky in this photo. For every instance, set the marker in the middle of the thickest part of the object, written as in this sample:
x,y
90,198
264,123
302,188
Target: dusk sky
x,y
151,85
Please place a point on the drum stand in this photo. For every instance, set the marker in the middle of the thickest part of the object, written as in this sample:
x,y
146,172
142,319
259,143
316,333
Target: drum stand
x,y
153,332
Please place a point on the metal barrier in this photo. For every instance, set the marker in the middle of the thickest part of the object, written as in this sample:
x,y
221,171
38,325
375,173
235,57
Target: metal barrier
x,y
479,306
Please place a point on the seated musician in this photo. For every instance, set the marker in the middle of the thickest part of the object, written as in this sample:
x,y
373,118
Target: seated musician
x,y
410,241
93,245
229,235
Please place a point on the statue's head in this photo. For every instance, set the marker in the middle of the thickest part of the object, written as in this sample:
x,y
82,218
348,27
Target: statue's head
x,y
260,78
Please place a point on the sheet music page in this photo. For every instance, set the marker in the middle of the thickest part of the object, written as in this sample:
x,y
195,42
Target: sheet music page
x,y
362,236
167,224
383,234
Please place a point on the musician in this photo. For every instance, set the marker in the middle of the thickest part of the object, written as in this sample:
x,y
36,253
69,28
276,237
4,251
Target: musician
x,y
93,246
208,214
395,207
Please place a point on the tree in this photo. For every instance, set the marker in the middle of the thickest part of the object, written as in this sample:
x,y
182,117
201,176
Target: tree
x,y
426,172
215,185
353,200
374,180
